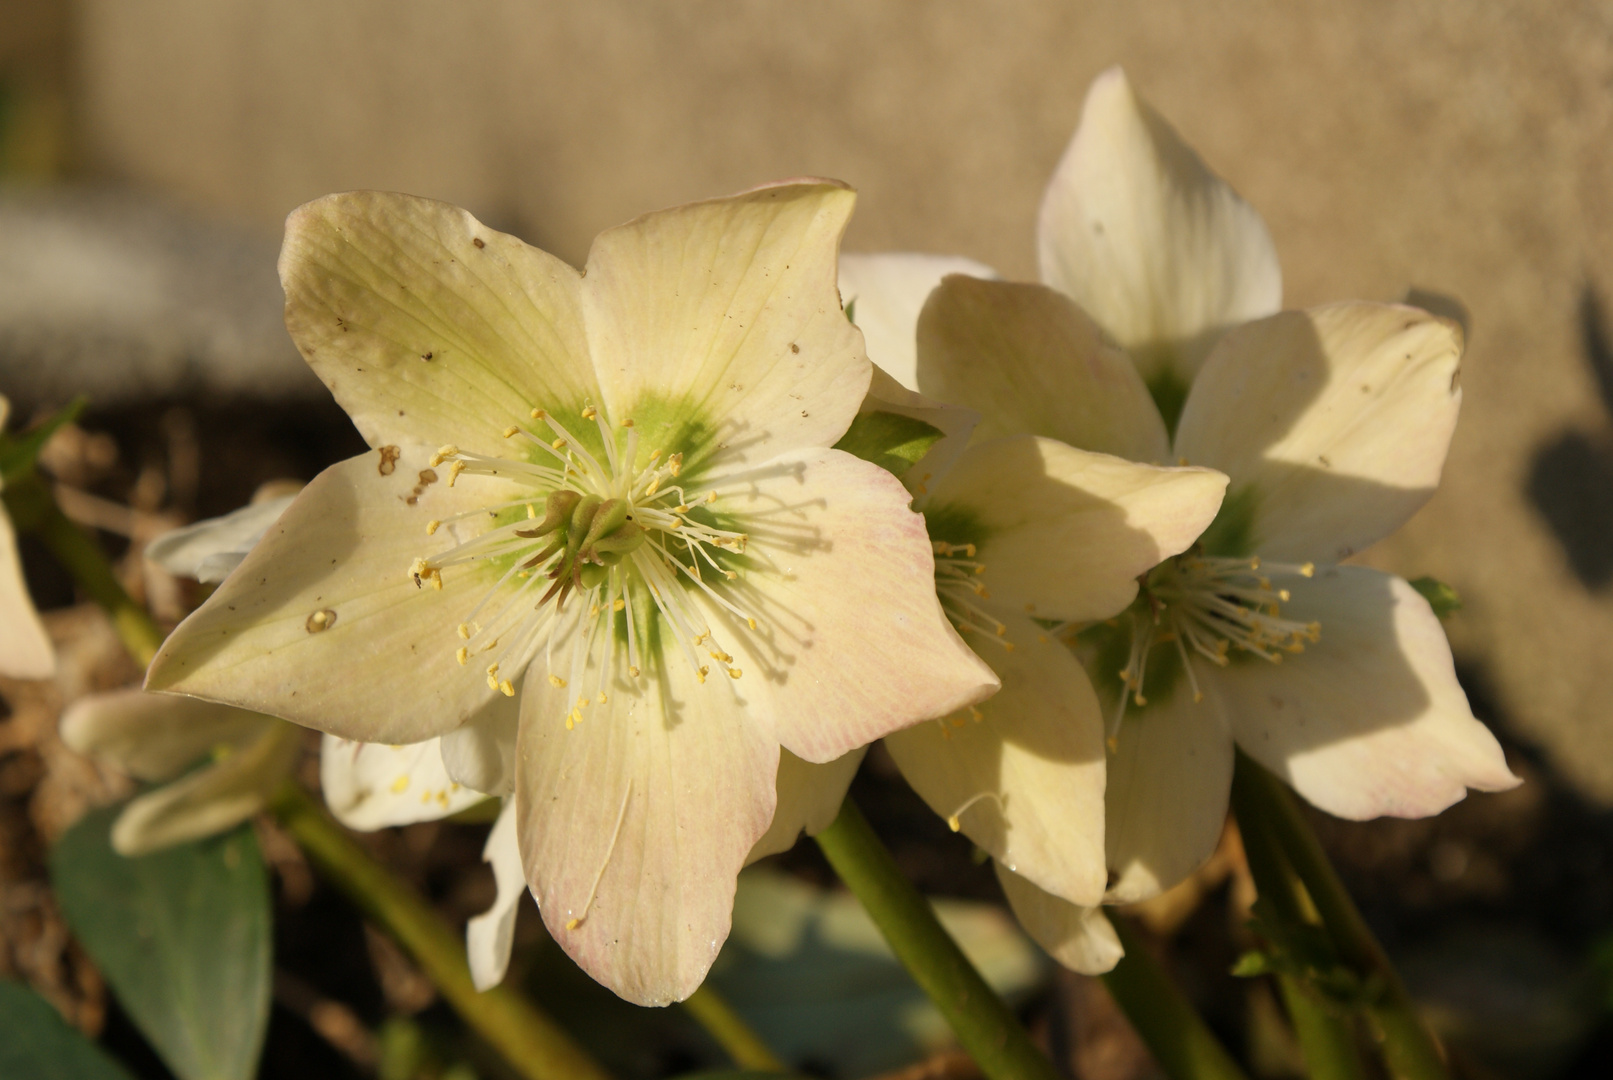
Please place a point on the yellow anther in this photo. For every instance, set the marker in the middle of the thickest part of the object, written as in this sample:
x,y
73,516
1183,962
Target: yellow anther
x,y
655,485
572,924
711,497
538,414
463,655
1113,744
730,574
531,513
1008,646
593,611
492,682
627,422
981,569
619,604
976,715
511,431
953,823
589,412
969,550
1307,569
1254,563
432,527
436,580
464,631
681,508
558,444
703,635
573,719
632,672
1139,699
400,785
442,799
674,463
718,654
734,673
751,623
655,455
1284,595
425,797
555,680
454,469
700,675
1198,696
443,453
602,697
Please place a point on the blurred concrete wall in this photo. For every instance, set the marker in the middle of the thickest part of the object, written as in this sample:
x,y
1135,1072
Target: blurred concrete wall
x,y
1389,143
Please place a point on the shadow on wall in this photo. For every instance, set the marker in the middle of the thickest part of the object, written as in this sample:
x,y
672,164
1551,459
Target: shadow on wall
x,y
1571,481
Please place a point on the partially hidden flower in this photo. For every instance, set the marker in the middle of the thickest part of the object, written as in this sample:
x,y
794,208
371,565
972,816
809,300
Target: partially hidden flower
x,y
1332,424
25,649
601,546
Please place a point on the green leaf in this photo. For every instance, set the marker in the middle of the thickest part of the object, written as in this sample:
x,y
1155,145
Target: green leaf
x,y
1252,963
18,453
182,936
893,442
1441,597
40,1045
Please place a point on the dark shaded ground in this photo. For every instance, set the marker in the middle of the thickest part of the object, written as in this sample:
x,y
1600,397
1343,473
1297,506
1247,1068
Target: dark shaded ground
x,y
1494,908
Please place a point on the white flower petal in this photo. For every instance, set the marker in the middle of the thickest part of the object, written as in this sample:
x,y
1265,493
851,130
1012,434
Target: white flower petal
x,y
1023,772
322,623
1333,423
809,798
370,786
428,326
25,649
884,294
1370,720
1078,937
154,737
1160,250
211,799
1034,363
1170,777
836,562
481,753
1065,531
635,823
208,550
717,329
489,936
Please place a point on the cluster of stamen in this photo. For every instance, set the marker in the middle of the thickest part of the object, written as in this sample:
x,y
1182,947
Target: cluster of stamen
x,y
1210,608
958,584
610,534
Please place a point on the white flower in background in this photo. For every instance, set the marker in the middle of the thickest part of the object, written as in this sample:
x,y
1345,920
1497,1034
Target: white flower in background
x,y
25,649
1332,425
587,495
208,550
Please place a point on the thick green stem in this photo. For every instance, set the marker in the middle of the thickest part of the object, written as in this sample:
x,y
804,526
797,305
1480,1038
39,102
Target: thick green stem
x,y
33,508
1181,1042
1409,1048
712,1012
983,1024
529,1040
1326,1038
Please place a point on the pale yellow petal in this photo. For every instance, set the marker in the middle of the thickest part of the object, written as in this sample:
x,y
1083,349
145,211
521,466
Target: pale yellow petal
x,y
1080,938
1034,363
717,330
1333,424
490,935
211,799
1022,773
370,786
1370,719
1160,250
481,753
635,821
1170,776
884,294
323,623
809,797
154,737
1063,533
427,325
850,642
25,649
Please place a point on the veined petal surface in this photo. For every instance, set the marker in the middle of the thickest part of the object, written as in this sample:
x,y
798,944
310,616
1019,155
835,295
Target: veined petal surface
x,y
1156,247
716,327
884,294
635,822
1065,532
1034,363
1370,719
809,798
1333,423
323,625
428,326
1022,773
1078,937
370,786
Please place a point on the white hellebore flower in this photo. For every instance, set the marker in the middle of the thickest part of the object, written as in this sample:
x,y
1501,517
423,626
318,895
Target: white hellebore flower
x,y
1332,424
601,546
25,649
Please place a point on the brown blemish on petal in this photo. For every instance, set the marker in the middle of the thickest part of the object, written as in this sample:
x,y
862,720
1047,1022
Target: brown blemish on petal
x,y
428,476
425,356
389,459
794,347
323,619
477,240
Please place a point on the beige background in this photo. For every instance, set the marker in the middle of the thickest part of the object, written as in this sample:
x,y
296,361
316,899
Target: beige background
x,y
1458,147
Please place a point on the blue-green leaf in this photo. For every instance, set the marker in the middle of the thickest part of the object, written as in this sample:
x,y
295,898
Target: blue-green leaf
x,y
890,440
39,1045
183,938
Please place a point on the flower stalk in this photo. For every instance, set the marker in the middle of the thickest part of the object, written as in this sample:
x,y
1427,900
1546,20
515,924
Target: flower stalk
x,y
1176,1035
747,1049
983,1024
1409,1048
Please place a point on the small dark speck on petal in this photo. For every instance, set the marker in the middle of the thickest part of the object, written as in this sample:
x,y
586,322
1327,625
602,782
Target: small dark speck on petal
x,y
477,240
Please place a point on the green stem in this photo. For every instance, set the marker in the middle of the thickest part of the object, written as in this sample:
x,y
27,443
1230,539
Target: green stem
x,y
1181,1042
33,508
712,1012
1409,1048
1326,1038
983,1024
529,1040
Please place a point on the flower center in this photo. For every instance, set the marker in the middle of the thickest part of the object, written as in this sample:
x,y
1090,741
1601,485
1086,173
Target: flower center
x,y
1206,607
959,588
608,568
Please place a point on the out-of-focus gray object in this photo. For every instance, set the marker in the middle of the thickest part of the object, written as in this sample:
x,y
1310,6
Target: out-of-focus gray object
x,y
122,296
